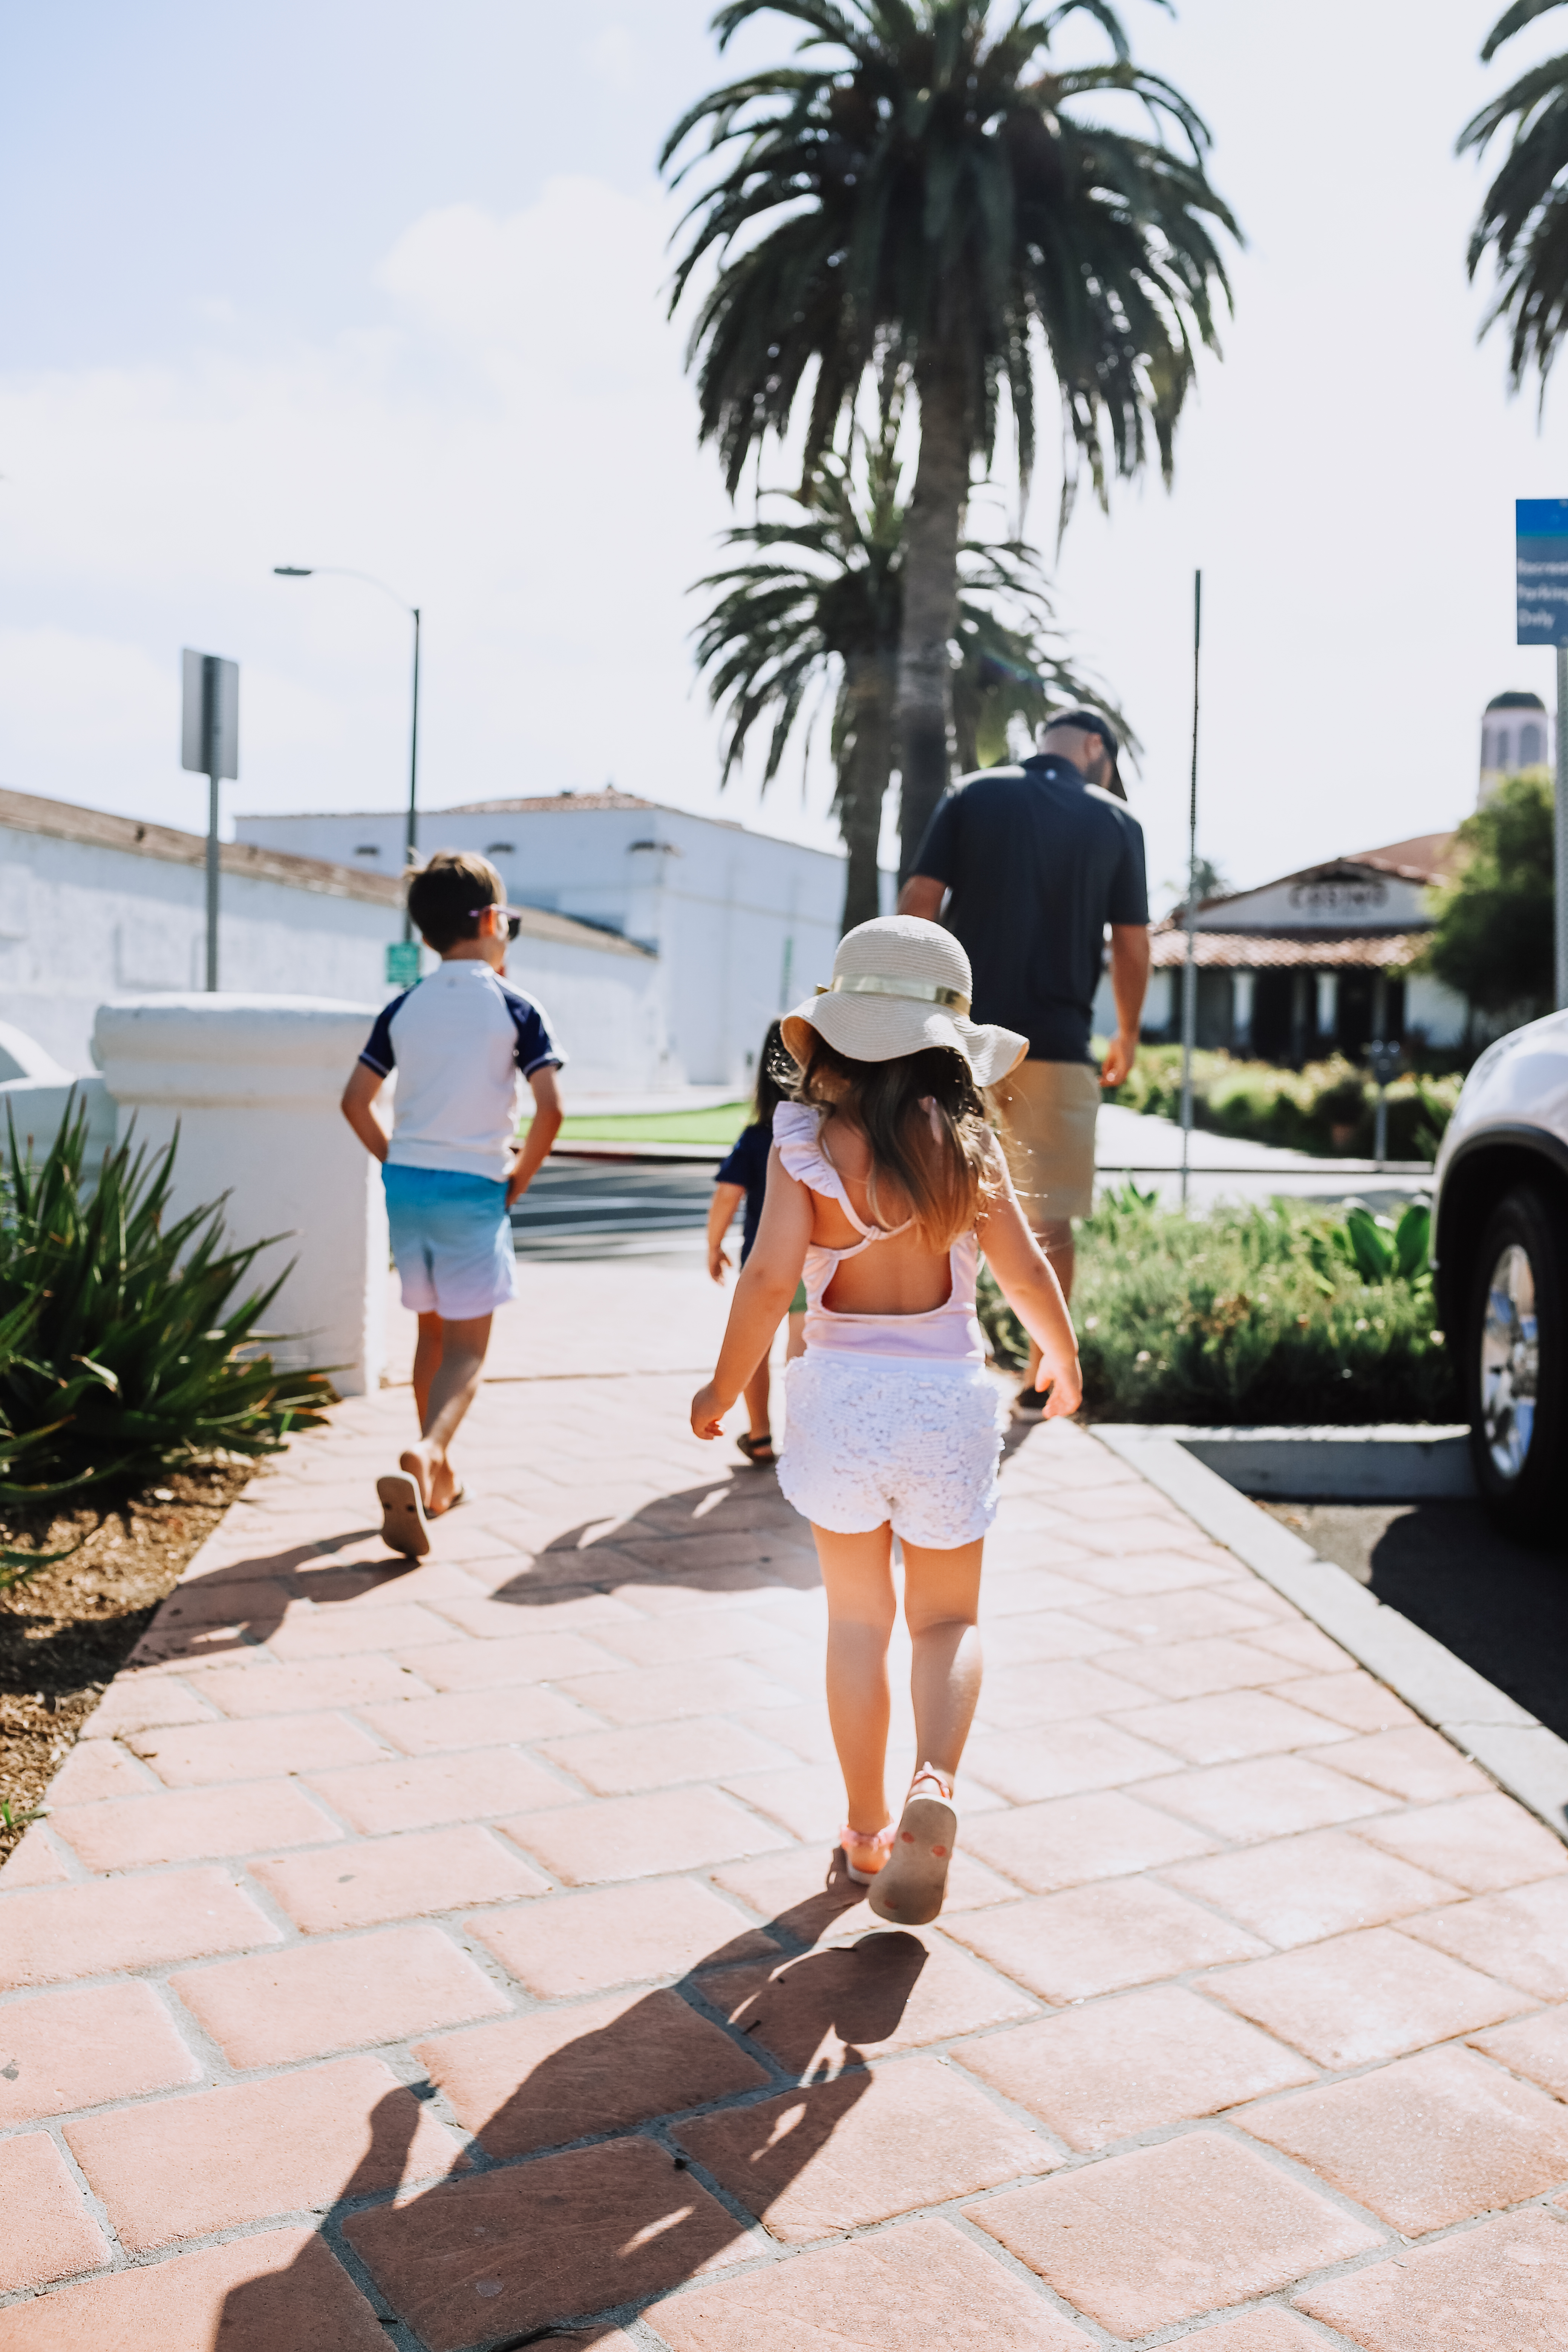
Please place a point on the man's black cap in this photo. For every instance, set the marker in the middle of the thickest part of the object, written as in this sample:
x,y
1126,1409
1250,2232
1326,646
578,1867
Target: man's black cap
x,y
1092,723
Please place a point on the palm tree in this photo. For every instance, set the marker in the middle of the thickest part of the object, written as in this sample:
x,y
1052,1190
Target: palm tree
x,y
923,194
816,610
1524,215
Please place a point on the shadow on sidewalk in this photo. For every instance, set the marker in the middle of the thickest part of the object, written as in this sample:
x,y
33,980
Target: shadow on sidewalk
x,y
540,2235
728,1535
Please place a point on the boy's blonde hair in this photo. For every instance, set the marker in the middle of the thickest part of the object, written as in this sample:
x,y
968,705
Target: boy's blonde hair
x,y
444,893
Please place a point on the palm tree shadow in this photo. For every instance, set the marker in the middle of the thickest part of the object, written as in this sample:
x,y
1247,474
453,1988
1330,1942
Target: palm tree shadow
x,y
583,2198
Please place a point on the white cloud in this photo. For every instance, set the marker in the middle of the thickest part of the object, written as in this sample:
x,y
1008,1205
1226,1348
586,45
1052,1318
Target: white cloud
x,y
514,446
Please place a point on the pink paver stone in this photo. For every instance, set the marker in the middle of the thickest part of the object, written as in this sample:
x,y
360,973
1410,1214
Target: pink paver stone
x,y
373,1880
53,1933
256,2294
1505,2282
359,1991
899,2290
49,2234
1140,2241
1423,2143
60,2051
185,2167
616,1934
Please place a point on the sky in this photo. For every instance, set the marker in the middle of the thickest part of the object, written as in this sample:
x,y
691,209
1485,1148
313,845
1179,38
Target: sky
x,y
369,284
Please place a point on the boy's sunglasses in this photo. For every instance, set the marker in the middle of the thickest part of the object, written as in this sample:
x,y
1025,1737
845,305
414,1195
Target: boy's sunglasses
x,y
513,919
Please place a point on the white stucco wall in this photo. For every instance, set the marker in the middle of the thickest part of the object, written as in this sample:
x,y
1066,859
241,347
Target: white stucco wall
x,y
81,922
84,923
1363,901
744,924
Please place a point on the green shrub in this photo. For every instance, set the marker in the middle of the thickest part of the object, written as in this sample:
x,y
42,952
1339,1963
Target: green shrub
x,y
1284,1314
1327,1108
127,1345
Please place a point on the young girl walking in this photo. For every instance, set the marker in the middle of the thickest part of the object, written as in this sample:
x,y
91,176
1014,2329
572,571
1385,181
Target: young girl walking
x,y
743,1177
885,1183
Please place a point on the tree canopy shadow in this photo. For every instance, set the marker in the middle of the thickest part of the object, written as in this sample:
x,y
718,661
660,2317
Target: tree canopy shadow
x,y
586,2196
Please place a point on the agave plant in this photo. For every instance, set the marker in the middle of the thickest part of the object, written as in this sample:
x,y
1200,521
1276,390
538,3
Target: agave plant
x,y
130,1343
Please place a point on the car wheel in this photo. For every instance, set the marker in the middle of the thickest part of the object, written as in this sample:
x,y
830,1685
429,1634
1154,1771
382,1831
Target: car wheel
x,y
1516,1372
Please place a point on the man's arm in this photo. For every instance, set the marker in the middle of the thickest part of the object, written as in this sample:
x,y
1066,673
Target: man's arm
x,y
1129,986
358,1108
922,895
543,1131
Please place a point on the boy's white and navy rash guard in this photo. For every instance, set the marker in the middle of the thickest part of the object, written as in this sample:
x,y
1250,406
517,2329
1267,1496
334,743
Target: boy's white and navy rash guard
x,y
461,1042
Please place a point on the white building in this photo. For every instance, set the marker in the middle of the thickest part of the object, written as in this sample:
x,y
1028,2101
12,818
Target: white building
x,y
1516,732
1316,962
95,906
741,924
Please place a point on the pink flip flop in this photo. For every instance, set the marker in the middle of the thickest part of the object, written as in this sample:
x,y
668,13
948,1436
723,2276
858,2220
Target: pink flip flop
x,y
909,1890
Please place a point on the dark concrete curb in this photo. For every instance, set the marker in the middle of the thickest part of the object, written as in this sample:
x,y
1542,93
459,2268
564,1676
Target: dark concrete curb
x,y
1521,1755
1387,1461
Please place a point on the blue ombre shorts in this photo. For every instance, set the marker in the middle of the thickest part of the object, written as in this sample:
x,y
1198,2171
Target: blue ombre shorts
x,y
451,1241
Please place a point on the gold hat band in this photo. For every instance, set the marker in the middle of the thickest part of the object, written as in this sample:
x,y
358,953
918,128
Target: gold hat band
x,y
919,991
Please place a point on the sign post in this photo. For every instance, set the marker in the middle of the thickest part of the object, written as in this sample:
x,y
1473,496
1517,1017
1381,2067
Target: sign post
x,y
1541,529
209,747
1189,967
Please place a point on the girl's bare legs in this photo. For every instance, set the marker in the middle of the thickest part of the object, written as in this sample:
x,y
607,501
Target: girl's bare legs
x,y
858,1576
941,1603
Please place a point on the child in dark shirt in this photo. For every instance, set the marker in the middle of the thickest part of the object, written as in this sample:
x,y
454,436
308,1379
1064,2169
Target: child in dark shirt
x,y
743,1176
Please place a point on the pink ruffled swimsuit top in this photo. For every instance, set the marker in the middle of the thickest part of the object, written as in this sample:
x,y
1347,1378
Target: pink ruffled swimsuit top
x,y
949,1334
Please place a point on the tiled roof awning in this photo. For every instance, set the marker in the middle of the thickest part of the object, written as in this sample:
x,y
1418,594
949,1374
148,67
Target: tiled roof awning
x,y
1256,951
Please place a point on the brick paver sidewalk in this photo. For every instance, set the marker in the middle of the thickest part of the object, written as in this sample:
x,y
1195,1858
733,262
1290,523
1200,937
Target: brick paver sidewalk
x,y
432,1958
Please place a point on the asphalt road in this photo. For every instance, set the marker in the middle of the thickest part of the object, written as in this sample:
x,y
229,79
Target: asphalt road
x,y
1501,1608
587,1208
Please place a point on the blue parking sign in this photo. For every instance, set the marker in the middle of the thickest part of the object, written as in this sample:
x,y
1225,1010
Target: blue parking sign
x,y
1541,549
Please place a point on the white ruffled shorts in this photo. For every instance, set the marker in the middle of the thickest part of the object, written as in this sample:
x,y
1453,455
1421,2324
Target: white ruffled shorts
x,y
871,1439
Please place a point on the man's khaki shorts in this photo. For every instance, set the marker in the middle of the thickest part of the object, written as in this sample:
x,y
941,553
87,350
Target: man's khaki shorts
x,y
1048,1111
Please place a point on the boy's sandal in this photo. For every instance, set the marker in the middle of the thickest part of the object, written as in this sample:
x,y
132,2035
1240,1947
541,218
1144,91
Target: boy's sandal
x,y
758,1450
403,1526
879,1840
909,1891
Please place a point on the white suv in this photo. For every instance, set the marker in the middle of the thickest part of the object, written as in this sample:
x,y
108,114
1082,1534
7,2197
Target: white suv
x,y
1501,1251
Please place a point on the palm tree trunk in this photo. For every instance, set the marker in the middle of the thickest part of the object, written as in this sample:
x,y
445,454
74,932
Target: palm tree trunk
x,y
869,686
932,533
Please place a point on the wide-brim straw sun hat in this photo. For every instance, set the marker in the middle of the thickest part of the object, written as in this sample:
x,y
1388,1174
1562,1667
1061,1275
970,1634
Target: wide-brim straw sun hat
x,y
898,985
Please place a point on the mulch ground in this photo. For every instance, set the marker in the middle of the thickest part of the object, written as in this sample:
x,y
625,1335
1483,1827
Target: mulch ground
x,y
66,1631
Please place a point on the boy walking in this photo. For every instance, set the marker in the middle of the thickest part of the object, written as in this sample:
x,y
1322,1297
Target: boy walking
x,y
459,1040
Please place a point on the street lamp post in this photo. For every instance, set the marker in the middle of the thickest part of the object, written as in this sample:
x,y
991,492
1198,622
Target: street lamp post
x,y
339,571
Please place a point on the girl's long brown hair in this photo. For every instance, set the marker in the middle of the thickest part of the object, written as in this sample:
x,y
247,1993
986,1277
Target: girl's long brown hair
x,y
938,1173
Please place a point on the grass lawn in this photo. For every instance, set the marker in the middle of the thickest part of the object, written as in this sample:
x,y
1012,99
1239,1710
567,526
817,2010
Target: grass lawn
x,y
720,1123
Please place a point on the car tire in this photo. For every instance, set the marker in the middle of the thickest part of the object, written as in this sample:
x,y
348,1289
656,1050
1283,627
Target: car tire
x,y
1516,1366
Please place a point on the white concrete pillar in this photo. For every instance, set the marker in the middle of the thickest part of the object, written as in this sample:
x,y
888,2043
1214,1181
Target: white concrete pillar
x,y
253,1085
1328,1004
1241,1012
